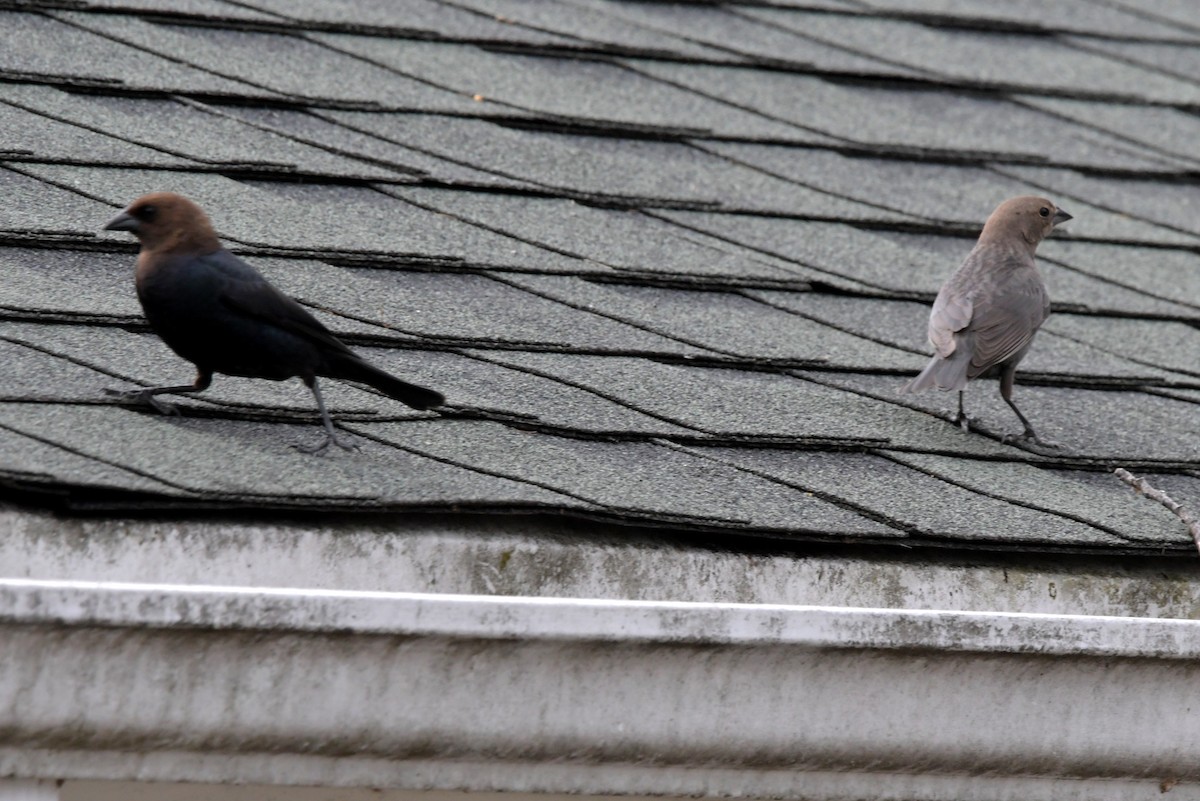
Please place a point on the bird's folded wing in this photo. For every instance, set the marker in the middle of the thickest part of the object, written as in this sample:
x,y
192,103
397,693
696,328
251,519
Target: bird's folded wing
x,y
950,314
246,292
1005,326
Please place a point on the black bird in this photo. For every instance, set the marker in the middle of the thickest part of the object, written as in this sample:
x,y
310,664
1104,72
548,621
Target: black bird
x,y
219,313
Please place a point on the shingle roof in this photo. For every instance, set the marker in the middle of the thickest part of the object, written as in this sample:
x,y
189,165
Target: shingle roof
x,y
668,262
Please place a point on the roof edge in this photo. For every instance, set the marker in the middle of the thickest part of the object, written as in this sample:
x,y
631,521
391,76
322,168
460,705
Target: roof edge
x,y
406,690
410,614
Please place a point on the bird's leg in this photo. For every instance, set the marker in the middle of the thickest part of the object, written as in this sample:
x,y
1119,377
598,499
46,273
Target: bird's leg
x,y
961,418
1006,388
147,396
331,437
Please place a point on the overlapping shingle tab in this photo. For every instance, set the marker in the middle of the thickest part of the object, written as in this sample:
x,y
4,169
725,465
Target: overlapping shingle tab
x,y
668,262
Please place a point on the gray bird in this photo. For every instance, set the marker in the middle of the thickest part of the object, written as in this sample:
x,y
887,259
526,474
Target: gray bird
x,y
219,313
986,314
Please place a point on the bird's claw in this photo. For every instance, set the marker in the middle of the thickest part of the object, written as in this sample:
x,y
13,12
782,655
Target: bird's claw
x,y
965,422
144,397
321,448
1030,437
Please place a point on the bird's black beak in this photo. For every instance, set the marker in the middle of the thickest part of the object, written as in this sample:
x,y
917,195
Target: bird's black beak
x,y
1060,217
123,222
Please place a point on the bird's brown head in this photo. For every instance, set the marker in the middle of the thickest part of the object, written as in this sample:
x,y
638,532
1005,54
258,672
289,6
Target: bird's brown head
x,y
165,222
1028,219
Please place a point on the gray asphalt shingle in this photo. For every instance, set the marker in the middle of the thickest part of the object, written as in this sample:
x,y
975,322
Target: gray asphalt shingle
x,y
989,58
643,479
669,263
61,50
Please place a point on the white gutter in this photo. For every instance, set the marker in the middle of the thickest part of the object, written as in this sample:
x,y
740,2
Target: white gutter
x,y
405,690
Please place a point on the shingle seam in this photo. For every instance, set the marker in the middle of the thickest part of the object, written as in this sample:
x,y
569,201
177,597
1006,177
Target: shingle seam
x,y
838,501
661,30
444,343
383,65
214,110
532,188
261,169
60,18
295,25
206,406
1083,122
171,17
628,276
1075,43
751,295
811,187
558,123
839,46
93,129
424,151
74,235
621,275
105,88
946,228
1131,358
1048,458
897,457
616,510
61,185
953,22
946,417
92,457
68,241
24,343
1004,91
882,291
16,314
1166,392
1147,14
1028,377
1140,289
595,46
501,278
612,398
532,423
489,228
58,79
731,104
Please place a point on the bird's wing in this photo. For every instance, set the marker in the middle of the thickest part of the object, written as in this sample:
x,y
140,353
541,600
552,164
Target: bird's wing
x,y
1006,324
244,291
952,312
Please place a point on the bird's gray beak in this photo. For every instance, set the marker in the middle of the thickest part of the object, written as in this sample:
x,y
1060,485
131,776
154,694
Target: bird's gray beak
x,y
1060,217
122,222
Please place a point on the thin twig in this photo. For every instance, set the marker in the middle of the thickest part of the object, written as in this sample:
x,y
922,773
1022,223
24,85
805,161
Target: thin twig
x,y
1142,487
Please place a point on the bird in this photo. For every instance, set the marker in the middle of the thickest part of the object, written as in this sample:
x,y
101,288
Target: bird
x,y
220,314
986,314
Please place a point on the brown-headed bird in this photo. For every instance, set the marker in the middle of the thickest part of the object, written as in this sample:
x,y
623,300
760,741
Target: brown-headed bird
x,y
219,313
987,312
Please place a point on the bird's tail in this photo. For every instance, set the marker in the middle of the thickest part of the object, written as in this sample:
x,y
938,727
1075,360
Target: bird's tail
x,y
945,374
408,394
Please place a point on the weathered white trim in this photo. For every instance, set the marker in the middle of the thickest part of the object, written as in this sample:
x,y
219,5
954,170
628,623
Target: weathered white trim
x,y
362,689
525,556
82,603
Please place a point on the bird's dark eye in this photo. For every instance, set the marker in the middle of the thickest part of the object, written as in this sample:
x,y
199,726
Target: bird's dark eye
x,y
148,213
1045,212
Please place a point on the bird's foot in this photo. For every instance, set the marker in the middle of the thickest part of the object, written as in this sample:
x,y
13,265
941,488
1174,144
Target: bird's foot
x,y
330,439
964,422
1030,436
144,397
